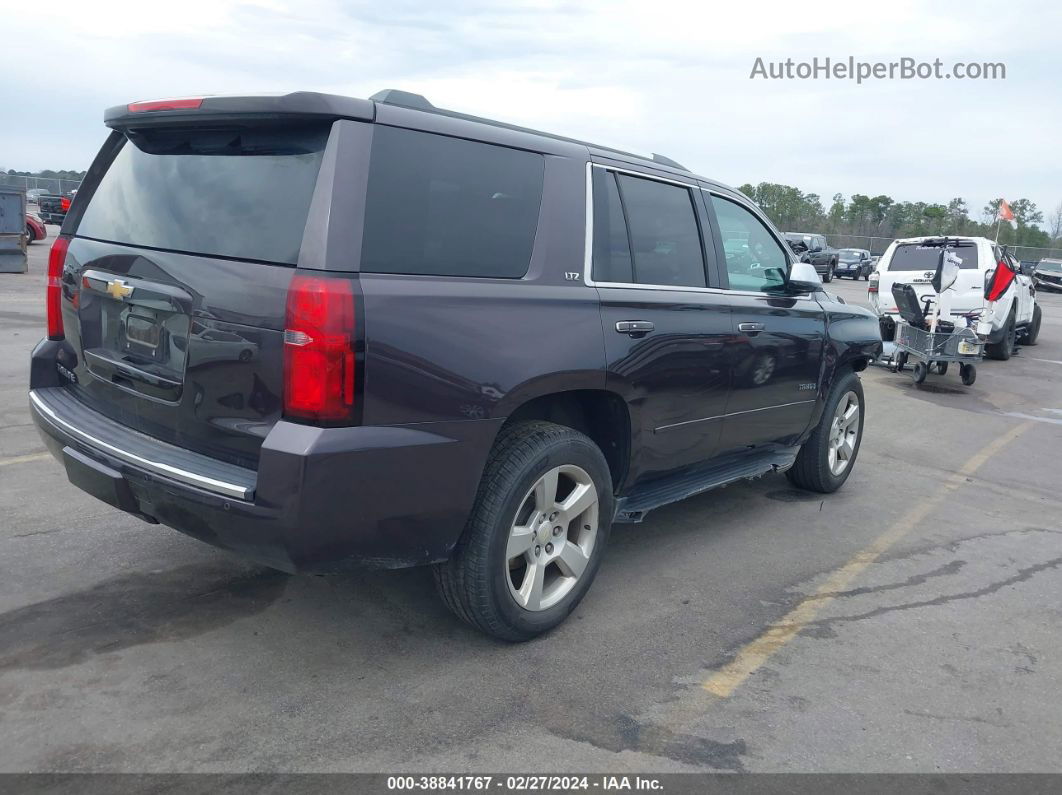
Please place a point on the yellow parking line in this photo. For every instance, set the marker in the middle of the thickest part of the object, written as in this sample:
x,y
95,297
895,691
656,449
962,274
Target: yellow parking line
x,y
728,678
24,459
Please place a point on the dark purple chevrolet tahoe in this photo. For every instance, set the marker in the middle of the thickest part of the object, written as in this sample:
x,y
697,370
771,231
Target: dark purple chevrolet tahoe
x,y
329,333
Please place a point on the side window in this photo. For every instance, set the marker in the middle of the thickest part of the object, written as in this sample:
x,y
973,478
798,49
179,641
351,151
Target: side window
x,y
449,207
645,232
612,248
665,239
754,259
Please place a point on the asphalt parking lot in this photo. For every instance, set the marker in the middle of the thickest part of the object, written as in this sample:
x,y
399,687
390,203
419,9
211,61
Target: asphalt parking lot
x,y
909,622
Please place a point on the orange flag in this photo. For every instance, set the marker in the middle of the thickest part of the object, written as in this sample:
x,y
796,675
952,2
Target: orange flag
x,y
1005,213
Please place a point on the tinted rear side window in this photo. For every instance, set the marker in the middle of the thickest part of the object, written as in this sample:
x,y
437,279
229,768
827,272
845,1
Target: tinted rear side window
x,y
913,257
232,193
612,249
449,207
664,233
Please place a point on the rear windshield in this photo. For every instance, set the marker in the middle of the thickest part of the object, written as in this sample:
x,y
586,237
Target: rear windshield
x,y
913,257
227,193
447,206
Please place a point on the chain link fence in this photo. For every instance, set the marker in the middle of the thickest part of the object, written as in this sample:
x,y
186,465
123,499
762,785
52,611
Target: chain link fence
x,y
877,245
50,185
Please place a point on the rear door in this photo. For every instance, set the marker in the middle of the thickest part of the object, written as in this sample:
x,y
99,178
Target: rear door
x,y
176,280
666,323
778,337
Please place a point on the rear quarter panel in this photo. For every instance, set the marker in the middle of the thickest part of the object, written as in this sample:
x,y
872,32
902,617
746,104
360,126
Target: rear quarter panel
x,y
442,348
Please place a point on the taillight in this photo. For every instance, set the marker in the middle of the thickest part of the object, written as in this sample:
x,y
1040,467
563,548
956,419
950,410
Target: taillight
x,y
319,349
64,203
872,285
180,103
54,290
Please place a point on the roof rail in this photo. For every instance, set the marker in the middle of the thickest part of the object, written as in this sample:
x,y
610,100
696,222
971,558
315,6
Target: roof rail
x,y
405,99
667,161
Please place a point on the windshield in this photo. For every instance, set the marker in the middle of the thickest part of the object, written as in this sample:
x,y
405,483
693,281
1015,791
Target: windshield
x,y
917,257
1049,265
850,254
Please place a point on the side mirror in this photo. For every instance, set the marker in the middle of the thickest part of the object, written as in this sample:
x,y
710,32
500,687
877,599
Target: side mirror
x,y
804,276
815,248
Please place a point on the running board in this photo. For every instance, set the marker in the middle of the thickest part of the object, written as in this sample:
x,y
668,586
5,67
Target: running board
x,y
703,477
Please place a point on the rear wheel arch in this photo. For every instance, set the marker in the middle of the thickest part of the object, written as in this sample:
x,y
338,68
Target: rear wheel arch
x,y
600,414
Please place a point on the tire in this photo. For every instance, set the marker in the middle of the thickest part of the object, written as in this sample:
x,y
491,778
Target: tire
x,y
1033,334
1003,349
968,374
478,583
940,368
901,362
920,372
827,277
813,470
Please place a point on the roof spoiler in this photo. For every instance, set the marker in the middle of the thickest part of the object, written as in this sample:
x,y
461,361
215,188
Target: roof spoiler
x,y
265,107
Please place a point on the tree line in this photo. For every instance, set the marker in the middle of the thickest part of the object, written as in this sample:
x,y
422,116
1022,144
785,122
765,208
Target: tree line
x,y
46,174
880,216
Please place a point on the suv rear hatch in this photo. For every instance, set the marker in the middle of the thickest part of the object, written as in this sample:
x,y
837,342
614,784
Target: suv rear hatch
x,y
914,263
177,274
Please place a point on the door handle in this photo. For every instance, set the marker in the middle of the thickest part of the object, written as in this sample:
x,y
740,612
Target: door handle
x,y
635,326
751,327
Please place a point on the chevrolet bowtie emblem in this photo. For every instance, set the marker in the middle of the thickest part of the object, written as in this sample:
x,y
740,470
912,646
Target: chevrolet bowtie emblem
x,y
118,289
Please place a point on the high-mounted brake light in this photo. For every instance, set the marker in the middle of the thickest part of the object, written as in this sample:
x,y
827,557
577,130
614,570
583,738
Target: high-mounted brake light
x,y
182,103
54,290
319,349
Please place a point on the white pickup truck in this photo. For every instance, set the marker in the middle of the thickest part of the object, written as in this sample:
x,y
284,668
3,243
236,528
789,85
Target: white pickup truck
x,y
1014,317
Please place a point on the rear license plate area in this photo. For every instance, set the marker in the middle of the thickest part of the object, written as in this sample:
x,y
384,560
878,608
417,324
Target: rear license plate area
x,y
143,333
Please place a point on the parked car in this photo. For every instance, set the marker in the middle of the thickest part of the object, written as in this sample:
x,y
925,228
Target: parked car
x,y
1014,317
35,229
1048,274
854,263
475,346
814,249
53,208
33,194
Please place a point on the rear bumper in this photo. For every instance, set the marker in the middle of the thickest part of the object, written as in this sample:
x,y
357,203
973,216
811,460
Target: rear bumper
x,y
322,499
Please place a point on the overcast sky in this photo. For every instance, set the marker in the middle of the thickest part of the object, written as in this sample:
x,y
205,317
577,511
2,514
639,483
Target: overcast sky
x,y
661,76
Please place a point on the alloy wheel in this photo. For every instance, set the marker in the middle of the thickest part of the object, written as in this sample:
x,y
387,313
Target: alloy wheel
x,y
844,433
552,537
